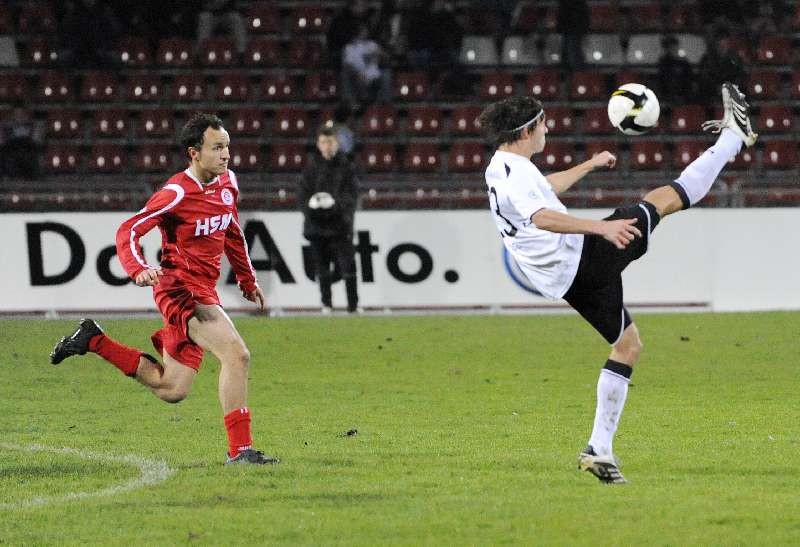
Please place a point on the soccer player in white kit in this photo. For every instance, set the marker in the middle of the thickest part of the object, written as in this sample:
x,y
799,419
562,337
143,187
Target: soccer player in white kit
x,y
582,260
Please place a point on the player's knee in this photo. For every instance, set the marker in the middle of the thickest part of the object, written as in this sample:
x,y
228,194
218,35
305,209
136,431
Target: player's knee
x,y
174,395
242,358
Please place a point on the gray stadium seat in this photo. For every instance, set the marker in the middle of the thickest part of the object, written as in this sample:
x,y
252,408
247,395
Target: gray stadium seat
x,y
644,49
521,50
478,50
691,46
551,54
602,49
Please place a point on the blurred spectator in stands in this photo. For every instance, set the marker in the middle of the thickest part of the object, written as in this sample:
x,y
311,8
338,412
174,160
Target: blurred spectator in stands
x,y
572,23
391,28
764,23
225,14
158,19
722,13
676,82
434,37
363,78
344,27
720,63
88,33
327,197
20,140
341,127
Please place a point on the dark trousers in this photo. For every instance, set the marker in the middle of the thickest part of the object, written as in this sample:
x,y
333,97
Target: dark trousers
x,y
339,252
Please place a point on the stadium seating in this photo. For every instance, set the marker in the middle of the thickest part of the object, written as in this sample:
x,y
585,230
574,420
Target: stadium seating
x,y
291,122
234,87
36,18
106,158
745,159
174,52
411,86
263,52
763,85
304,53
687,118
774,50
40,52
218,52
61,158
557,156
245,156
133,51
153,157
686,152
246,122
596,121
544,84
64,123
781,154
774,119
189,87
602,49
424,120
680,17
7,25
287,157
379,120
421,157
321,86
588,86
496,85
54,87
551,51
560,120
100,87
595,147
145,88
691,46
156,122
648,155
308,20
478,51
604,17
112,122
263,17
464,120
466,157
13,87
644,49
278,88
378,157
520,50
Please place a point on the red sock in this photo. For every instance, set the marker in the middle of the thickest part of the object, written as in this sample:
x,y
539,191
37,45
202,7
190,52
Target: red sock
x,y
121,356
237,422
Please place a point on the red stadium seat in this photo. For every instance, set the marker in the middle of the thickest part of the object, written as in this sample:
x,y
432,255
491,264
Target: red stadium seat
x,y
764,85
64,124
134,51
604,17
321,86
648,155
496,85
742,46
772,119
326,115
680,17
246,156
421,157
174,52
263,17
37,18
466,157
61,158
6,20
379,120
278,88
425,120
106,158
378,157
157,122
411,86
780,155
110,123
13,87
687,151
291,121
100,87
687,118
40,52
54,87
308,19
595,120
263,52
305,53
630,77
287,157
189,87
774,50
464,120
545,84
560,120
648,17
595,147
145,88
588,86
218,52
557,156
745,159
233,87
246,121
153,157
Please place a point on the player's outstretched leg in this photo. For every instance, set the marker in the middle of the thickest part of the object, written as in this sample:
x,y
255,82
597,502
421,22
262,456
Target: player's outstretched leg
x,y
76,343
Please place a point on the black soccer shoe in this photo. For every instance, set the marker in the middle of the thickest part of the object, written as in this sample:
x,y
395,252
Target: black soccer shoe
x,y
76,343
605,468
736,115
252,457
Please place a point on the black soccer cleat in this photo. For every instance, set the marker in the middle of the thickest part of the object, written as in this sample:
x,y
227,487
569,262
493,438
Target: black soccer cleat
x,y
605,468
76,343
251,457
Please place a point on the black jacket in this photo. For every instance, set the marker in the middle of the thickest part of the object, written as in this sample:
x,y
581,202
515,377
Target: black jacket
x,y
337,177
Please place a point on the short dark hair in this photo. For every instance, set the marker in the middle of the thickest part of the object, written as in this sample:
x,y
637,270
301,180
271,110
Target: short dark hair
x,y
503,121
191,135
328,129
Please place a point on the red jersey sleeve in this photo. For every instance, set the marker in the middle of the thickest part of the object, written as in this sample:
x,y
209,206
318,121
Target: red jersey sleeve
x,y
129,250
238,256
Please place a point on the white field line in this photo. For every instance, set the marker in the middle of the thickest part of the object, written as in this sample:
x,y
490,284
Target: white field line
x,y
150,472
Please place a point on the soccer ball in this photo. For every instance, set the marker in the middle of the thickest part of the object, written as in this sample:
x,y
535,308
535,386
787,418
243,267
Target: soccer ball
x,y
633,109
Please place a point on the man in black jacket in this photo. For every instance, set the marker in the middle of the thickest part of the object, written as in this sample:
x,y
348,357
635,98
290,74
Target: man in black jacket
x,y
327,197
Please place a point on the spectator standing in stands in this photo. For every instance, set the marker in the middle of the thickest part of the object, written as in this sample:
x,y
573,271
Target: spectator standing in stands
x,y
327,198
363,78
434,37
88,34
675,78
20,141
343,28
224,13
573,24
719,63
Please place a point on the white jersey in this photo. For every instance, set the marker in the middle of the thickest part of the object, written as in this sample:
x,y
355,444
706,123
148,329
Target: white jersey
x,y
517,190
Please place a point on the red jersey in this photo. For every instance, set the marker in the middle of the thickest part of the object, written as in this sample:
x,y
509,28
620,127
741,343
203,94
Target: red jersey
x,y
198,223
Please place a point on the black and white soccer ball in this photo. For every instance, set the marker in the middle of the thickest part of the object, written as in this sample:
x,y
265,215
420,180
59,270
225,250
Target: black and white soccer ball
x,y
633,109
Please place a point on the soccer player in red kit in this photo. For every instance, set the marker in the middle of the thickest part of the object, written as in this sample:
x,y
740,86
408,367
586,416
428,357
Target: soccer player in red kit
x,y
197,216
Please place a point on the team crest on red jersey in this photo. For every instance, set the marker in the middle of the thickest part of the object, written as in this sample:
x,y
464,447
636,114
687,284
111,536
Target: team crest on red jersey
x,y
227,196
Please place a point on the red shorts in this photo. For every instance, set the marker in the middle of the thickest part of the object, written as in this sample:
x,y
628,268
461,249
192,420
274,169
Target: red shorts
x,y
176,301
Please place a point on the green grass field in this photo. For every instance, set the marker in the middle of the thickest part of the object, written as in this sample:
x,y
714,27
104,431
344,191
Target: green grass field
x,y
468,432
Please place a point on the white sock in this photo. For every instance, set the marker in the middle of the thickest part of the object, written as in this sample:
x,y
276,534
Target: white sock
x,y
699,175
612,389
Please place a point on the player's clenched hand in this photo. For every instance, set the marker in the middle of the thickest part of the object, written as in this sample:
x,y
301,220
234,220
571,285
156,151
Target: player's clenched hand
x,y
604,159
620,232
257,296
149,277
